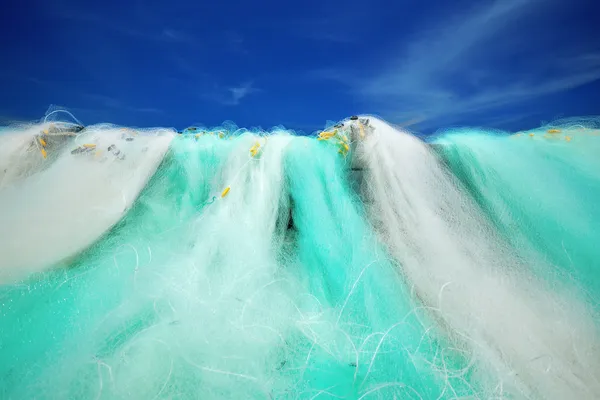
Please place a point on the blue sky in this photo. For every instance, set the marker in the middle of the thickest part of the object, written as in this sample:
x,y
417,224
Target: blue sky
x,y
426,64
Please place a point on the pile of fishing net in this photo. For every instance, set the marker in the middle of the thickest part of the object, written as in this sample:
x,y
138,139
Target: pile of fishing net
x,y
360,263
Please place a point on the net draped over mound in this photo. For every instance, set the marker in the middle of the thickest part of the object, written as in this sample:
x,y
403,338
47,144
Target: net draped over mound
x,y
362,263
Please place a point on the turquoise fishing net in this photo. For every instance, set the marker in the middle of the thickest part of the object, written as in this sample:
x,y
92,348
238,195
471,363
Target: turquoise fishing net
x,y
248,268
59,326
277,290
371,338
540,188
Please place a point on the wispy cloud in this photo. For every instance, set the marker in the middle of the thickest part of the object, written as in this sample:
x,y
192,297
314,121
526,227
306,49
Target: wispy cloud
x,y
232,96
453,67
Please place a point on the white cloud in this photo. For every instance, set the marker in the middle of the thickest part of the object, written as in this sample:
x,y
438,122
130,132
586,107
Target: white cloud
x,y
228,96
236,94
468,62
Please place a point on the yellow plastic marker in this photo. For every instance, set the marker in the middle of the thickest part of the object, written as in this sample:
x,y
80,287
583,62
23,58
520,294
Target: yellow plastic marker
x,y
553,130
197,135
325,135
254,149
42,142
225,192
89,146
531,134
568,138
221,135
45,131
344,148
44,154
